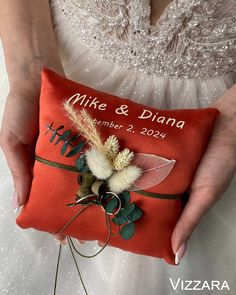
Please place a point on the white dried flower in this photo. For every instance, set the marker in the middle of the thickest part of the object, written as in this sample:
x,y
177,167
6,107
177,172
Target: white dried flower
x,y
123,159
124,179
99,164
112,146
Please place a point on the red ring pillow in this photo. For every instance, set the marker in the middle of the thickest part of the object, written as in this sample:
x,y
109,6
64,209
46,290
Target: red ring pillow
x,y
176,138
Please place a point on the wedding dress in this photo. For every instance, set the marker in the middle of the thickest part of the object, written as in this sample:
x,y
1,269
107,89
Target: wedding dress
x,y
186,60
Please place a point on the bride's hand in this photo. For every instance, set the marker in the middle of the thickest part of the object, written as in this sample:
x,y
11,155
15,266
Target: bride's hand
x,y
19,132
29,44
213,175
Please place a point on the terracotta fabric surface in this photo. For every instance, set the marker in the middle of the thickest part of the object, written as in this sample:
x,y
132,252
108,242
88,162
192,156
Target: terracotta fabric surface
x,y
184,140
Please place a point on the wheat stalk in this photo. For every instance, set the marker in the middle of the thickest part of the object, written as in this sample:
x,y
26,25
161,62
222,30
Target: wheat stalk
x,y
84,124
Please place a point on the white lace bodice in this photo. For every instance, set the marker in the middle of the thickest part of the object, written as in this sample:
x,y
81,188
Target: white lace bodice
x,y
192,38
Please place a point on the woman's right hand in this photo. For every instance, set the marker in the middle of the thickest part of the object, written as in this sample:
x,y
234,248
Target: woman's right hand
x,y
29,43
19,131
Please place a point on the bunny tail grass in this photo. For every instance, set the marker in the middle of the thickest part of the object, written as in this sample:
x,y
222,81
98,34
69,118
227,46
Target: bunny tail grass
x,y
124,179
99,164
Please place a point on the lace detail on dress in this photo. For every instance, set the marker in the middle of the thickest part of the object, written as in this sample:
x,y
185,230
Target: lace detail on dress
x,y
192,38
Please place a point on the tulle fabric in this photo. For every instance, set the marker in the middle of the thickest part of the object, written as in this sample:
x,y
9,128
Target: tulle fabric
x,y
28,257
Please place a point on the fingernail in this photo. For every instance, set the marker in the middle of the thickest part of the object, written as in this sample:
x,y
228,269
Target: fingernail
x,y
15,202
180,253
62,242
100,244
80,242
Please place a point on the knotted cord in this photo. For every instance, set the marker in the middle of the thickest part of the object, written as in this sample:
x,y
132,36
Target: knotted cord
x,y
73,248
108,221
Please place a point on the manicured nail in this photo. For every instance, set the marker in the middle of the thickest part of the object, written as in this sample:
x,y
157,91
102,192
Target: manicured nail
x,y
62,242
80,242
15,202
180,253
100,244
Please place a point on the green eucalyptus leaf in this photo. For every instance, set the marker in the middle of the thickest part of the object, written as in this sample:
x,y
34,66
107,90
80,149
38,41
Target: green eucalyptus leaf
x,y
64,136
125,198
81,164
106,196
119,220
127,231
111,205
127,210
75,150
54,134
64,148
136,214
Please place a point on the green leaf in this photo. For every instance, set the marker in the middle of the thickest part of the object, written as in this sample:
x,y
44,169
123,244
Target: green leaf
x,y
127,231
136,214
127,210
53,136
75,150
64,148
81,164
111,205
106,196
64,136
119,220
125,198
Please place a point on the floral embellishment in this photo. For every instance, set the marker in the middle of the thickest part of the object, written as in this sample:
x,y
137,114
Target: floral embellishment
x,y
111,146
122,159
99,164
107,173
104,160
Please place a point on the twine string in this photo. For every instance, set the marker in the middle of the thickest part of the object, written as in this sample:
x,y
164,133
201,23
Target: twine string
x,y
73,248
76,264
57,269
140,192
73,218
87,205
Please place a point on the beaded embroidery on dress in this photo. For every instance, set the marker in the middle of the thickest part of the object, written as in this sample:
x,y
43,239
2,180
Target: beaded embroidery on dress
x,y
191,38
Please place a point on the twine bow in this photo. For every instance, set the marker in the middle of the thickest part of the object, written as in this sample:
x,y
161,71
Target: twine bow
x,y
91,201
88,201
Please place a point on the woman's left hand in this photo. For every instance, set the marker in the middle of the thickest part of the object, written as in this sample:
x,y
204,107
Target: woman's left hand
x,y
213,175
